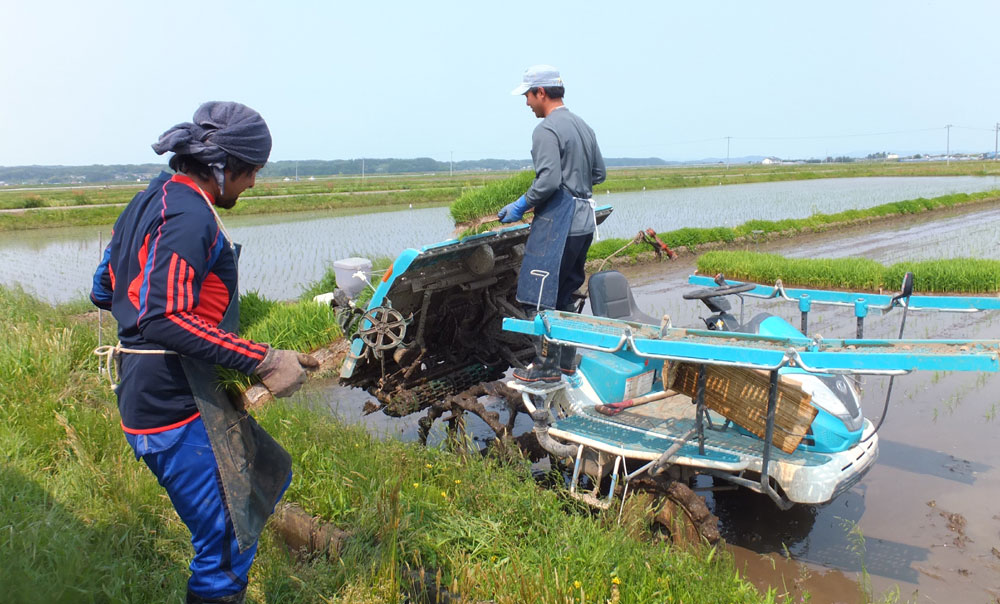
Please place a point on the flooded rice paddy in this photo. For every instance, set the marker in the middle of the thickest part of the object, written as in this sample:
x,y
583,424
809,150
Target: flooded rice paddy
x,y
284,253
923,521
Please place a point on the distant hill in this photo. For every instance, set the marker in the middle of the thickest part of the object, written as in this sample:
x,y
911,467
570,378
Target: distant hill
x,y
35,175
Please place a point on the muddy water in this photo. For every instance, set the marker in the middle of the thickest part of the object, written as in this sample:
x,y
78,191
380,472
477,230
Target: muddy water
x,y
924,522
925,519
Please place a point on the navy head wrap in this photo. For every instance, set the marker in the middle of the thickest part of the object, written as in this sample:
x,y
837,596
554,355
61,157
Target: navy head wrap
x,y
219,129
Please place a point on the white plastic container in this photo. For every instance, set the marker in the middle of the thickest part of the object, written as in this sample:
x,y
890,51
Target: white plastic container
x,y
345,270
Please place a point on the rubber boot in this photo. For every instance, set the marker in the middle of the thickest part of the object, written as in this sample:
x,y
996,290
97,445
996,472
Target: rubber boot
x,y
545,368
236,598
567,360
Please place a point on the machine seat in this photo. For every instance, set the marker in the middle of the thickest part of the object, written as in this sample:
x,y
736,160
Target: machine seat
x,y
611,297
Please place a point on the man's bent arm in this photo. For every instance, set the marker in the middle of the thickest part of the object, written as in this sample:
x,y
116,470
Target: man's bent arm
x,y
175,287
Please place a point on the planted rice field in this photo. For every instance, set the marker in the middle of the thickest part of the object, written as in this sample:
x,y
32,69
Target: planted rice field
x,y
283,253
732,205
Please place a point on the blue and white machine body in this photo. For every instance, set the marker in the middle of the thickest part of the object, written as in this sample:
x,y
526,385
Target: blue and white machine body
x,y
623,359
444,320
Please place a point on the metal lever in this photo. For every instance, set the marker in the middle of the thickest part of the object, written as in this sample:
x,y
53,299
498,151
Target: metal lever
x,y
541,288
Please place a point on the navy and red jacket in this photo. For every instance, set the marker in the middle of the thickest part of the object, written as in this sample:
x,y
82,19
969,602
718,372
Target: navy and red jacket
x,y
167,276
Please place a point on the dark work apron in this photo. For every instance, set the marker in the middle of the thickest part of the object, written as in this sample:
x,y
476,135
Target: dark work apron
x,y
253,467
544,250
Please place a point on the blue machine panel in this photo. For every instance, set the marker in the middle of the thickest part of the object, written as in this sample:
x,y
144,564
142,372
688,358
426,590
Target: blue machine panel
x,y
617,377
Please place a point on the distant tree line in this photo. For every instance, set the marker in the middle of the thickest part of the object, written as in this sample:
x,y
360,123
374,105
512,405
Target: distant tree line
x,y
315,167
16,175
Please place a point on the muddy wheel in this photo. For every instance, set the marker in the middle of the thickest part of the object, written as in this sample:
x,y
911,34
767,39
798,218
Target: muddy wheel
x,y
685,516
386,329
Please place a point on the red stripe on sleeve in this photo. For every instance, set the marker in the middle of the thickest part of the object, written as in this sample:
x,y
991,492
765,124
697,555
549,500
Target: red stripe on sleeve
x,y
215,339
170,284
181,289
198,323
190,296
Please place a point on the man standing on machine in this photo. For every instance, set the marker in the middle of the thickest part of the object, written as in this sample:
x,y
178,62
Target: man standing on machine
x,y
568,163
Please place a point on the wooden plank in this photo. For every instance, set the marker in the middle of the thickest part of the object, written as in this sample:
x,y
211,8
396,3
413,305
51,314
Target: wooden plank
x,y
740,394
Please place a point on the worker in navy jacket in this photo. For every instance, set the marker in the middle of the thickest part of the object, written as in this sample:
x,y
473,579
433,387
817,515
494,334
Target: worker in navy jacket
x,y
169,276
568,163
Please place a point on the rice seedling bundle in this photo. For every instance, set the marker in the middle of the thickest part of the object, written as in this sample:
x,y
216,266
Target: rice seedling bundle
x,y
474,206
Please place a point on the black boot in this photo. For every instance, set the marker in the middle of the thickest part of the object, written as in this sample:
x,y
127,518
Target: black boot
x,y
544,369
236,598
567,360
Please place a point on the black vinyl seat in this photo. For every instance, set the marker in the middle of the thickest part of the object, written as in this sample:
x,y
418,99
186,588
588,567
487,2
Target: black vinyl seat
x,y
611,297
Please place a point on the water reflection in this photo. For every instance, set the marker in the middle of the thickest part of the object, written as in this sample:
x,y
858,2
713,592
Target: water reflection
x,y
824,535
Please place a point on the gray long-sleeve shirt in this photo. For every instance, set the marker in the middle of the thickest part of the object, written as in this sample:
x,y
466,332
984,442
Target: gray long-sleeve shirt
x,y
565,153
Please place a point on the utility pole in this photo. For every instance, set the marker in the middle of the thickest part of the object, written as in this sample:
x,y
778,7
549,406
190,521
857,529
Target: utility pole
x,y
362,170
451,163
728,138
996,134
947,153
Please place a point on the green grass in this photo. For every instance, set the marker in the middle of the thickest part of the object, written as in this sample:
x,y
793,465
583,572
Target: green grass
x,y
958,275
82,521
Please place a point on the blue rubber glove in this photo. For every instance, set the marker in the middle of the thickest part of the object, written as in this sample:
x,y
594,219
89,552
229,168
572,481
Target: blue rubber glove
x,y
512,212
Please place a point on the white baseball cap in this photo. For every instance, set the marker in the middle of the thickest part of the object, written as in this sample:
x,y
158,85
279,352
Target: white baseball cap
x,y
538,76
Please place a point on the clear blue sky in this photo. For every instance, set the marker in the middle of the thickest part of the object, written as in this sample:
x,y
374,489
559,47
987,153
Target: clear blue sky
x,y
97,82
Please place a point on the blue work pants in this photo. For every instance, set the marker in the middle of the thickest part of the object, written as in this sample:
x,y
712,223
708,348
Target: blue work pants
x,y
183,462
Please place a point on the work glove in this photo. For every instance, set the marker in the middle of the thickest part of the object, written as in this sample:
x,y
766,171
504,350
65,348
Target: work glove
x,y
284,371
512,212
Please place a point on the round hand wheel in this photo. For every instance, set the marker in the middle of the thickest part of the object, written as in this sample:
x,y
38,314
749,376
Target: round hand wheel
x,y
711,292
385,330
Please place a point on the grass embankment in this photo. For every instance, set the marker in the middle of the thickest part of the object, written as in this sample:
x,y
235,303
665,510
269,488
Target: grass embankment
x,y
82,521
387,191
692,237
635,179
87,216
957,275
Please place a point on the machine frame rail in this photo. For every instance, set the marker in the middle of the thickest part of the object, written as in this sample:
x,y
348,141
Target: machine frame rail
x,y
755,351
